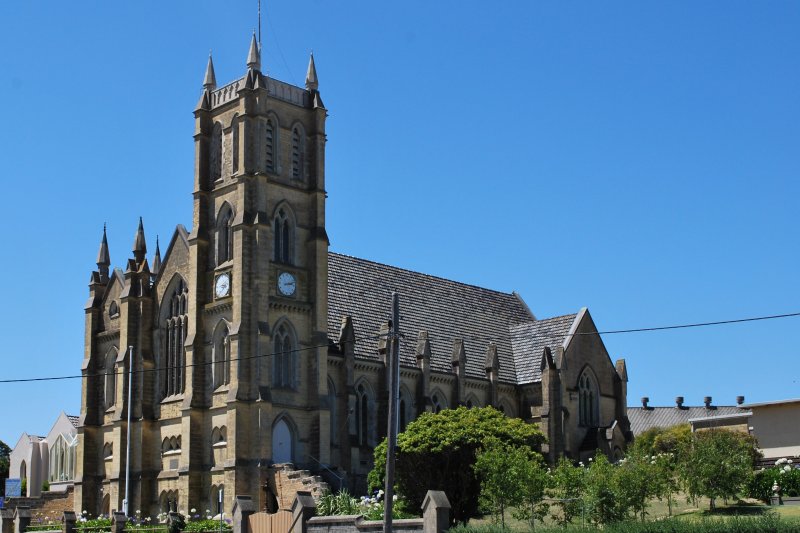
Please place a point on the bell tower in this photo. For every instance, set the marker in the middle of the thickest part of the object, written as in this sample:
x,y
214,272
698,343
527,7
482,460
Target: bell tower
x,y
258,254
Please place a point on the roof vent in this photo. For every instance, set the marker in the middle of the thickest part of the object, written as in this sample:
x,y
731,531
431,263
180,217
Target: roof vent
x,y
739,400
707,401
679,402
645,399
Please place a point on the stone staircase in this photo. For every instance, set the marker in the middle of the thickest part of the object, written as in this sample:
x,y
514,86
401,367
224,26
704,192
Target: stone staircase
x,y
284,481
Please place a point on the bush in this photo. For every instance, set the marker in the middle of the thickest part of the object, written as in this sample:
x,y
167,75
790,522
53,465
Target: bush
x,y
785,474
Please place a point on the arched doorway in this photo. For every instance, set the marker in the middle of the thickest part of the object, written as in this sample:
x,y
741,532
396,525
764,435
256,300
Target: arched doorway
x,y
281,442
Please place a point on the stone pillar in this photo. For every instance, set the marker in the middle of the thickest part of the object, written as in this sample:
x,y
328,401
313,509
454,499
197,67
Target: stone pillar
x,y
22,519
435,512
6,520
68,522
118,521
243,507
303,508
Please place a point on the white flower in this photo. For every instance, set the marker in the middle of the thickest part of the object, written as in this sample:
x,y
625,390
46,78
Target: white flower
x,y
193,510
394,497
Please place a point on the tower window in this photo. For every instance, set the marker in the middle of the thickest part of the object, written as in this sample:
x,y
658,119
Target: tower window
x,y
222,357
225,235
285,358
269,146
362,415
282,237
298,153
110,370
174,358
235,143
215,153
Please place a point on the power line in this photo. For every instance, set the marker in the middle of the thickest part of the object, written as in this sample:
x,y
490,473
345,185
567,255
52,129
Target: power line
x,y
548,335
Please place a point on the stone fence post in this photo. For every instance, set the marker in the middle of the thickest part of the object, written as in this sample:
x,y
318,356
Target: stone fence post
x,y
303,508
68,522
243,507
6,520
22,519
435,512
118,521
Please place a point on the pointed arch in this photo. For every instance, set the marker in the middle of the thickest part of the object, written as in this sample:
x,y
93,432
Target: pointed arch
x,y
405,408
472,401
283,438
364,403
215,153
270,128
285,357
588,398
224,233
110,378
438,401
283,229
235,134
298,151
173,322
221,346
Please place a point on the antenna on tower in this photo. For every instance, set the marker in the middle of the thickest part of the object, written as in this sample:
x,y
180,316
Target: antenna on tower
x,y
259,26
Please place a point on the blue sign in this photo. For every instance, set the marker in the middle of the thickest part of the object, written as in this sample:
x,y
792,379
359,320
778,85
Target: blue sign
x,y
13,488
2,503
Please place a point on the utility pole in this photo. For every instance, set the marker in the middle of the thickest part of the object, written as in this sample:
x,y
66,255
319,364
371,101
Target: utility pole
x,y
128,432
394,392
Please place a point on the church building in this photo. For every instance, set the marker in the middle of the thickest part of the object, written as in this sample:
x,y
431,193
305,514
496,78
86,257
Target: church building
x,y
252,344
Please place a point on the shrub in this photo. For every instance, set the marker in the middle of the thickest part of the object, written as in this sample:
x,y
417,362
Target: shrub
x,y
785,474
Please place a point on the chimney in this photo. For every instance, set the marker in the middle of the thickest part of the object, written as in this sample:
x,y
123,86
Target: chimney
x,y
645,399
679,402
707,401
739,400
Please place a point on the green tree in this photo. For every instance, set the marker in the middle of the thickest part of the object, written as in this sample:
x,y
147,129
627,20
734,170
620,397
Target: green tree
x,y
502,472
438,451
5,462
536,480
602,499
639,479
718,463
567,487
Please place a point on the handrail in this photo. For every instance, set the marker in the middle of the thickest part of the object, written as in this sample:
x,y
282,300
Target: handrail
x,y
340,478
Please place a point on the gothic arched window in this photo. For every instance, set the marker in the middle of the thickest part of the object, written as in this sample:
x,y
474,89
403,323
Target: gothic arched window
x,y
332,405
282,235
588,400
285,358
362,415
110,379
404,409
63,454
438,402
215,153
235,143
224,234
222,357
298,152
270,160
175,324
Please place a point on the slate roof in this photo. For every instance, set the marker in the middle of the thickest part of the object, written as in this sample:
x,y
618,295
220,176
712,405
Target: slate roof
x,y
74,420
447,309
529,340
652,417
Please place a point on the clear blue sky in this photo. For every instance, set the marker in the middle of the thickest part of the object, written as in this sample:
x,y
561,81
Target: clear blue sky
x,y
637,158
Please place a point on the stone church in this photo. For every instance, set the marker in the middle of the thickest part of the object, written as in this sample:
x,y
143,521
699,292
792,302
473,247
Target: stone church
x,y
253,345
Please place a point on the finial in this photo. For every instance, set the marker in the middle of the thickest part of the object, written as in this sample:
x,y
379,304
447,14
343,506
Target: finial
x,y
253,57
210,80
103,257
139,244
156,259
312,84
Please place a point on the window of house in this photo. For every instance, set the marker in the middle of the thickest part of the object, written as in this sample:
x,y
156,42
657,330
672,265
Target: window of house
x,y
174,359
285,358
362,415
438,403
63,455
588,400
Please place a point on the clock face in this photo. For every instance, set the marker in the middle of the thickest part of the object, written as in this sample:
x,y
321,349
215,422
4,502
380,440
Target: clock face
x,y
222,287
287,284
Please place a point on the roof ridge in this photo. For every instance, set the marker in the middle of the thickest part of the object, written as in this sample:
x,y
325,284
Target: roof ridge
x,y
424,274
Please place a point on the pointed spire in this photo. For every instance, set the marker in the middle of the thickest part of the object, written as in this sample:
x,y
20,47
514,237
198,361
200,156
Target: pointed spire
x,y
156,259
210,81
254,57
312,83
139,244
103,257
